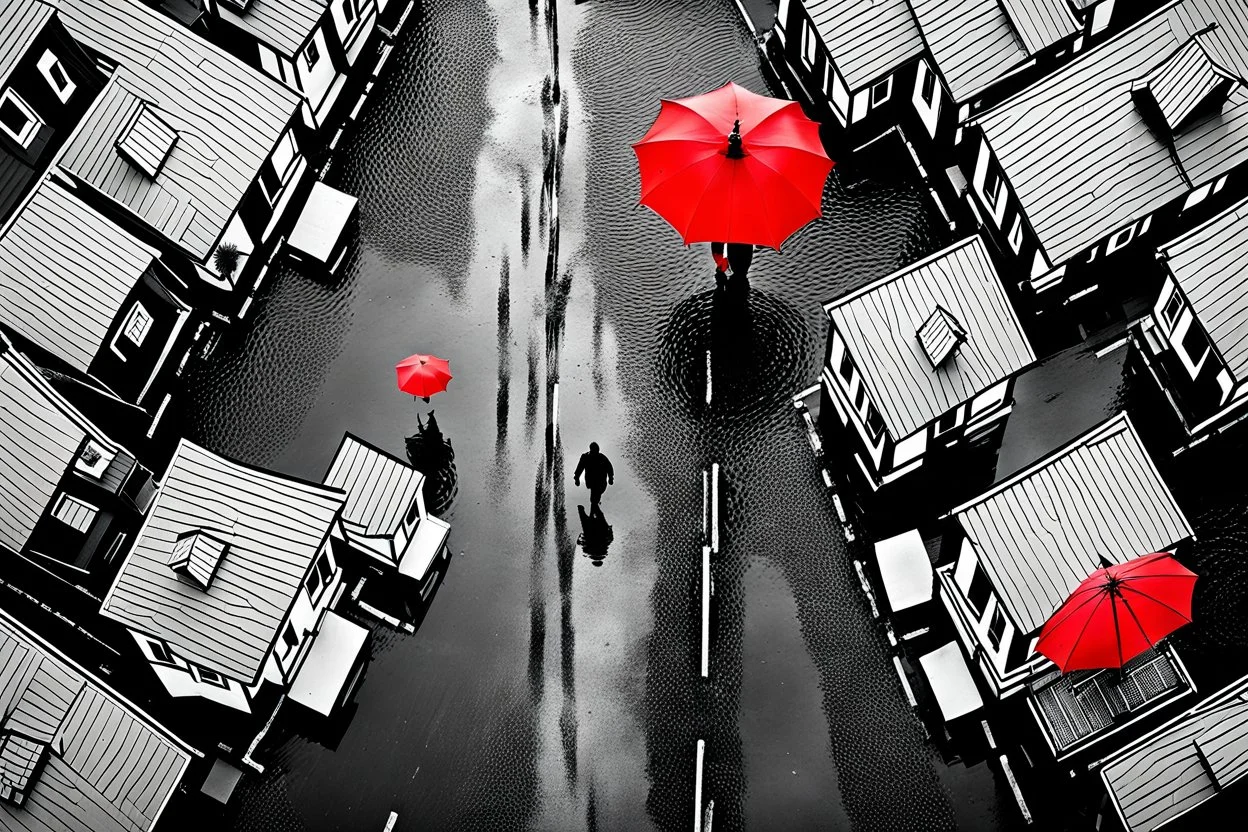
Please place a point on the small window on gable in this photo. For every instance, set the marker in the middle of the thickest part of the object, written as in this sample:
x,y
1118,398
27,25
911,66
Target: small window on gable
x,y
17,119
875,424
980,590
312,54
318,578
860,398
996,628
1196,345
993,185
881,92
947,422
211,677
52,69
928,91
349,10
160,652
413,511
137,325
810,45
1170,312
74,513
289,637
847,366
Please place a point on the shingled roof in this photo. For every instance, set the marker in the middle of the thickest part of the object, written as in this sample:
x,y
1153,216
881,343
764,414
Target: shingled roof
x,y
273,526
866,40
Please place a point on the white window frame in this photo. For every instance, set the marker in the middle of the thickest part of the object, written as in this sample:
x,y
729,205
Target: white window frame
x,y
131,319
91,512
322,582
993,197
27,135
354,6
1167,321
198,672
810,44
46,62
1193,366
1016,232
153,646
887,84
311,54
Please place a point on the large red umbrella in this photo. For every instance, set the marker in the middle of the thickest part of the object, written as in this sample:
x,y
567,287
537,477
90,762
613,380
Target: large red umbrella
x,y
734,167
423,375
1118,612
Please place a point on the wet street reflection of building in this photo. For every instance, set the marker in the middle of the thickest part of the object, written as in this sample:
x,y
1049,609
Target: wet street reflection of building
x,y
553,681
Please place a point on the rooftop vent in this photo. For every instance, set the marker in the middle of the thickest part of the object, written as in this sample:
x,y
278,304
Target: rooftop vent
x,y
197,555
941,335
147,141
1184,88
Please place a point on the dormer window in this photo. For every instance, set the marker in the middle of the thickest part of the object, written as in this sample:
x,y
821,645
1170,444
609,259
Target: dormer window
x,y
147,141
54,72
1187,86
940,336
196,555
93,460
21,759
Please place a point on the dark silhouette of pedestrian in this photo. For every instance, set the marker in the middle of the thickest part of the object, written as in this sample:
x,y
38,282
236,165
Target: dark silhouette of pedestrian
x,y
598,473
596,534
734,259
740,256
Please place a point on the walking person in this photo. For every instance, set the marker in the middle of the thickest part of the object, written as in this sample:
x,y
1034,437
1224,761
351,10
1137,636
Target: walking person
x,y
598,473
734,259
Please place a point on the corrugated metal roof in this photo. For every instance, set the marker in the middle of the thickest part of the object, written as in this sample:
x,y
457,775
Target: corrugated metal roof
x,y
380,488
228,117
880,323
65,271
1040,23
971,42
38,443
284,25
1079,153
1162,776
1210,264
274,526
21,21
1040,533
866,40
111,771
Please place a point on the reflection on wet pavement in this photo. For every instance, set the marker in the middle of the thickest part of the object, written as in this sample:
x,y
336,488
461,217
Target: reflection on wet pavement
x,y
547,690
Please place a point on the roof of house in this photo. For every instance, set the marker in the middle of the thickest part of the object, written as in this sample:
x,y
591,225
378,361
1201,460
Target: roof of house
x,y
227,116
38,444
284,25
274,526
1038,534
108,771
1079,153
866,40
1182,764
1210,264
1040,23
380,488
880,324
971,41
21,21
65,271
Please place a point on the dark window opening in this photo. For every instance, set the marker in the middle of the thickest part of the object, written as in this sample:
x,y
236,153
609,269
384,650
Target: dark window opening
x,y
211,677
1018,653
1195,344
847,366
160,652
993,185
13,117
860,398
996,628
928,92
312,54
1170,313
348,10
875,424
413,511
289,638
981,589
947,422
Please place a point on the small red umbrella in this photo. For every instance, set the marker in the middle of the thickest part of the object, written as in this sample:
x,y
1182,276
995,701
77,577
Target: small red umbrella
x,y
732,166
1118,612
423,375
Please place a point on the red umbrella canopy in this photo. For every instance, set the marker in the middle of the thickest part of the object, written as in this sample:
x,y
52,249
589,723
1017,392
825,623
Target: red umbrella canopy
x,y
1118,612
732,166
423,375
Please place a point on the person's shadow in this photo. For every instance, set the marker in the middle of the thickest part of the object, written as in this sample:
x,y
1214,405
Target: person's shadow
x,y
596,534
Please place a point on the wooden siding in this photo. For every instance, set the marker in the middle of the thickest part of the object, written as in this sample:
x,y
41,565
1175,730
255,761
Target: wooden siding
x,y
21,21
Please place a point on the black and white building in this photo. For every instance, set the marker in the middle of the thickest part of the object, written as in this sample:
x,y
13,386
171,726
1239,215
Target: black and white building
x,y
92,299
1194,342
1138,138
198,152
73,498
74,755
46,84
920,365
1012,556
230,583
310,45
384,518
1178,768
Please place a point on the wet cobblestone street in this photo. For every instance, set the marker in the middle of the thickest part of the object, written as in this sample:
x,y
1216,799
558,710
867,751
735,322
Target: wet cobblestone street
x,y
543,690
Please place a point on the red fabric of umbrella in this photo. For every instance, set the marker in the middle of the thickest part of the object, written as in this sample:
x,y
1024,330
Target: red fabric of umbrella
x,y
423,375
734,167
1118,612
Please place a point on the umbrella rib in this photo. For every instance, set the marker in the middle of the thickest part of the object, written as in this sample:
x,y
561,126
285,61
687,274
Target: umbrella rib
x,y
1113,608
673,174
1138,625
1100,596
1161,603
1093,594
817,207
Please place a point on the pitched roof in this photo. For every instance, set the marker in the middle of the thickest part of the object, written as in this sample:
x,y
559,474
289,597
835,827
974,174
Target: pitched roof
x,y
380,488
21,21
1080,154
1210,264
284,25
147,140
38,443
106,769
1189,78
971,41
65,271
1182,764
1040,23
1042,531
866,40
274,526
228,118
880,323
